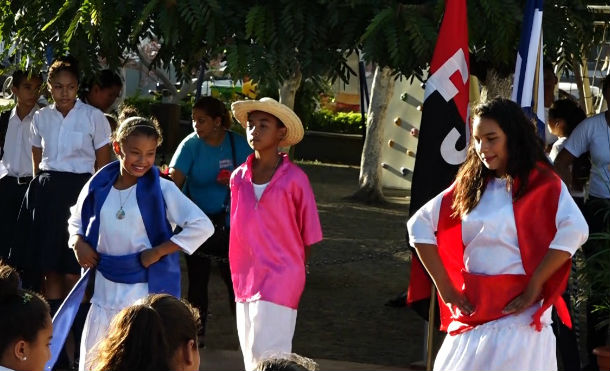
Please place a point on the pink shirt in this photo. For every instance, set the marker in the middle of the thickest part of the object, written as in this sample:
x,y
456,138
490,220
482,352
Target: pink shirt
x,y
268,237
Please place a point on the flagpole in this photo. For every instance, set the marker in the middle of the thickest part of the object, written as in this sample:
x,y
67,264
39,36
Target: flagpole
x,y
431,322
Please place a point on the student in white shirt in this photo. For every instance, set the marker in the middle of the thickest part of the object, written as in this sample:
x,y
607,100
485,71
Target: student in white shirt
x,y
70,140
16,151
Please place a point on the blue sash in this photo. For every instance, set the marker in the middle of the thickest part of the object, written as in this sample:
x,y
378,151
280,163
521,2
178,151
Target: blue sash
x,y
162,277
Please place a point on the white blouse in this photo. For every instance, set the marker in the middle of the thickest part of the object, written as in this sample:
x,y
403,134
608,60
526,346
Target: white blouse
x,y
69,143
489,232
128,235
17,157
593,135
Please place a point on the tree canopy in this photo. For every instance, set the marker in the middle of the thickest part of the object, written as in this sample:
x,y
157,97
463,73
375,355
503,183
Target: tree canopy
x,y
269,40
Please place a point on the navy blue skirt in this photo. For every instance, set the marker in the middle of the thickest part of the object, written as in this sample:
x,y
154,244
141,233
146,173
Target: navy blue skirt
x,y
12,190
41,241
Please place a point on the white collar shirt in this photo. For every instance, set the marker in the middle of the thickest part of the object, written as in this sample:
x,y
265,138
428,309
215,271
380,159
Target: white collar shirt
x,y
69,143
17,158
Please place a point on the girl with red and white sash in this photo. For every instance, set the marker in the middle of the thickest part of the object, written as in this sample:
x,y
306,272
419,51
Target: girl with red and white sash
x,y
497,245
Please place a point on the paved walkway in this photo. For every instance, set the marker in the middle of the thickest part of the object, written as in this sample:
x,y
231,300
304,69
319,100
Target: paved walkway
x,y
225,360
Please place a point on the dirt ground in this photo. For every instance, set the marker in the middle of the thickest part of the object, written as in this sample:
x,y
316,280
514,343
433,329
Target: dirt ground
x,y
361,263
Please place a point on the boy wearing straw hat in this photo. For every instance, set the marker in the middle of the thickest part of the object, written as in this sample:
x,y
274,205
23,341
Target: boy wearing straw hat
x,y
274,222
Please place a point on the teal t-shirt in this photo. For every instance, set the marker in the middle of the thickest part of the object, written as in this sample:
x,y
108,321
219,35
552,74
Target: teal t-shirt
x,y
200,163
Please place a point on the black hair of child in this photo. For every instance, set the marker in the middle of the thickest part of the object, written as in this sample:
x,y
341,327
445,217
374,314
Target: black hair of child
x,y
19,76
65,63
138,126
22,313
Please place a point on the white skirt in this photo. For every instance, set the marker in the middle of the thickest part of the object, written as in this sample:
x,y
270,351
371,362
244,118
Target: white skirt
x,y
109,298
508,343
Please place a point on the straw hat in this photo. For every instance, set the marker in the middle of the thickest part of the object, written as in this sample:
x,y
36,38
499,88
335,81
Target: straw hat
x,y
294,127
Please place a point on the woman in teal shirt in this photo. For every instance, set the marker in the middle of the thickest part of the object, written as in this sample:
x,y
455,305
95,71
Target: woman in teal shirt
x,y
201,166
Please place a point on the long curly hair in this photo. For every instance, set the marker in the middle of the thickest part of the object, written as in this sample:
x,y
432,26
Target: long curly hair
x,y
135,341
524,151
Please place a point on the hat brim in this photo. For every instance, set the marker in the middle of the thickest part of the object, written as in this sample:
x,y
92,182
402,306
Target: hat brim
x,y
294,127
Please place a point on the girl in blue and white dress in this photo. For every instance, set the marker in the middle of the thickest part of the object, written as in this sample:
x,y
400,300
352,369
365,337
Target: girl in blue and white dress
x,y
124,218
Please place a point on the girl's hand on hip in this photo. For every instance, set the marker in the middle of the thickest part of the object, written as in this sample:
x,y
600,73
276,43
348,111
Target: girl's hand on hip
x,y
457,302
149,257
85,255
529,296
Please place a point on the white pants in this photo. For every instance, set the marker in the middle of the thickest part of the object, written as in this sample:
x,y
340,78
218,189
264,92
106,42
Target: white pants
x,y
264,329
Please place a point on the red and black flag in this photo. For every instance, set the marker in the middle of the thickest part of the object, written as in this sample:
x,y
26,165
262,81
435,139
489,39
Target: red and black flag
x,y
444,131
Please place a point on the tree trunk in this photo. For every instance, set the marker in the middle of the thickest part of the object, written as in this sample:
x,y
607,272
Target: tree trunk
x,y
288,89
581,78
496,86
370,166
287,93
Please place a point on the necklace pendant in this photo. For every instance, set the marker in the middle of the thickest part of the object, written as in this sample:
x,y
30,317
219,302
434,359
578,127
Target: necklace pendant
x,y
120,214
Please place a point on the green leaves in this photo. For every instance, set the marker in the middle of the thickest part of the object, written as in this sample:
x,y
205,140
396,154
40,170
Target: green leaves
x,y
269,40
402,37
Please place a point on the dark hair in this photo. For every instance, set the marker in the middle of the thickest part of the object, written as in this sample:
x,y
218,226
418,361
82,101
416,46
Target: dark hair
x,y
112,121
214,108
573,115
547,65
524,151
136,125
287,362
606,86
127,111
23,313
66,63
569,111
180,319
19,76
135,341
106,79
280,124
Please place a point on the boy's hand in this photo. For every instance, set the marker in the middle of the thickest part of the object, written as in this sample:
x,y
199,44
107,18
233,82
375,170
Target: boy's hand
x,y
85,255
149,257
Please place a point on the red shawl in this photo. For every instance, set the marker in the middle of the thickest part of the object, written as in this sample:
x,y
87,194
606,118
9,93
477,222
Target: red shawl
x,y
535,213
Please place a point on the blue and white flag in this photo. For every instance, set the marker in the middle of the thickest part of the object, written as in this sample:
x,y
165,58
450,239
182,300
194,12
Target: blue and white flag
x,y
528,86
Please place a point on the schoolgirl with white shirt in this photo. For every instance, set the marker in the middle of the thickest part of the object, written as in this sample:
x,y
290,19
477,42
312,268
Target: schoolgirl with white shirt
x,y
122,224
499,239
69,140
16,152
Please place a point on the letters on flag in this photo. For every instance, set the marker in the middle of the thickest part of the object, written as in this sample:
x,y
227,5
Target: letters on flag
x,y
444,131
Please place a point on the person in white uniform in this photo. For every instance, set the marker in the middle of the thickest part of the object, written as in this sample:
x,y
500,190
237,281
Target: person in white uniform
x,y
126,228
16,151
495,243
